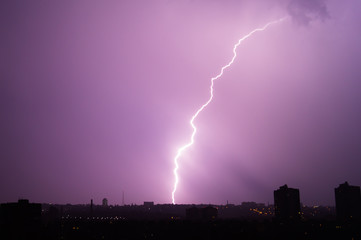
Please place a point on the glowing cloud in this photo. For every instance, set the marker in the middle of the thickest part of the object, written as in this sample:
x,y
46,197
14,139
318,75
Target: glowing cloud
x,y
190,143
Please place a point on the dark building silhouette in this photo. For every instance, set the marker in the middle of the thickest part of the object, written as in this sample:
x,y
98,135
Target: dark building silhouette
x,y
91,207
206,213
209,213
287,203
105,202
52,214
21,220
22,211
348,202
148,204
123,199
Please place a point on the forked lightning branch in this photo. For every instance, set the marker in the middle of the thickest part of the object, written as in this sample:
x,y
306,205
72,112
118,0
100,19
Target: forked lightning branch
x,y
190,143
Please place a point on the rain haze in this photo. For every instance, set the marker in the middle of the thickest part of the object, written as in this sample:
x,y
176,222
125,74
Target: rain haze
x,y
96,98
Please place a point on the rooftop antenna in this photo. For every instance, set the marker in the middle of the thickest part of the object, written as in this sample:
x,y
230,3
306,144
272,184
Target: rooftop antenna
x,y
123,202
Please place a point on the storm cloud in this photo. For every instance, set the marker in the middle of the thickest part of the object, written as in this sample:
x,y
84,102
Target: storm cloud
x,y
96,98
305,11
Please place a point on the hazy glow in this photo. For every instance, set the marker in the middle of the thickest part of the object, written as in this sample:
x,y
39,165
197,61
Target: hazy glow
x,y
190,143
99,96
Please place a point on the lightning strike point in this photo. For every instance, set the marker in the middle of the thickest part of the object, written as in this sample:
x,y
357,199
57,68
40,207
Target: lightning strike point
x,y
191,122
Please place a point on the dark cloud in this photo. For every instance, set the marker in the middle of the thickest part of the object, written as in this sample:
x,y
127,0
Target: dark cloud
x,y
305,11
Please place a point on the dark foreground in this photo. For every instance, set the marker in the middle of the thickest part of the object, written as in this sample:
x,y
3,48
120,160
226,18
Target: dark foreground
x,y
180,229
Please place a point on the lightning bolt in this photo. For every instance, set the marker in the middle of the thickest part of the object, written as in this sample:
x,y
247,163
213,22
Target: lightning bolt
x,y
190,143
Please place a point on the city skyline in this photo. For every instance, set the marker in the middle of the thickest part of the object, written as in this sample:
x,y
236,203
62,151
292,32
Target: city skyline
x,y
103,201
286,219
96,99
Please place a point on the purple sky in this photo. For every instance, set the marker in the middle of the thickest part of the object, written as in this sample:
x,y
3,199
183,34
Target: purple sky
x,y
96,97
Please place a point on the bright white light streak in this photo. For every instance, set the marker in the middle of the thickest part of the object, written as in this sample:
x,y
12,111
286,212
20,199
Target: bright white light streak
x,y
190,143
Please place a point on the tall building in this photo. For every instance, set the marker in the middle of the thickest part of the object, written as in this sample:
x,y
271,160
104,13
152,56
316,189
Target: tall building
x,y
123,201
105,202
287,203
20,220
348,202
91,207
22,211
